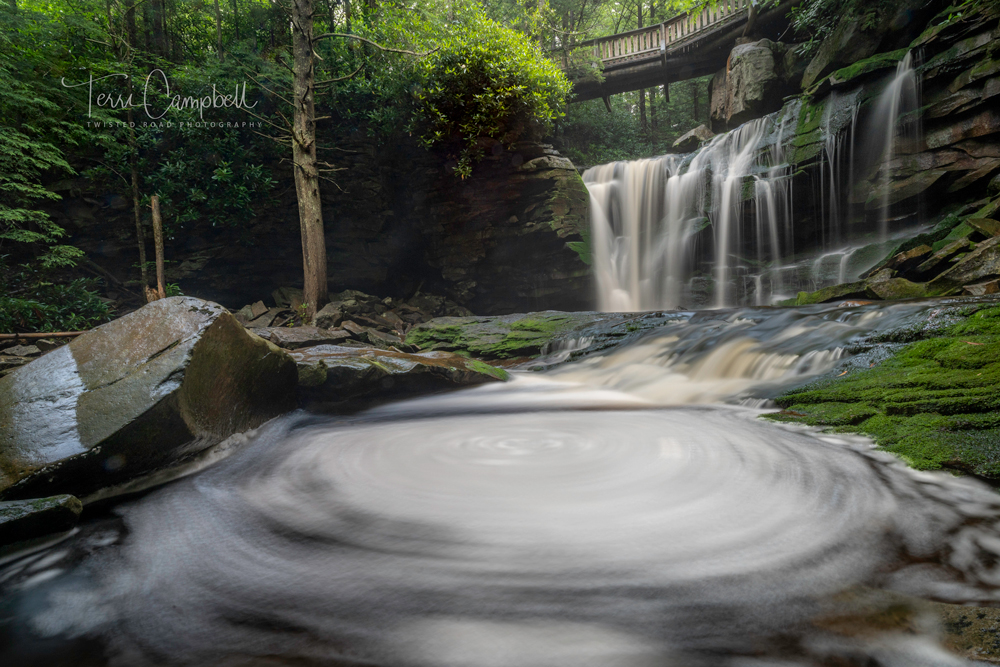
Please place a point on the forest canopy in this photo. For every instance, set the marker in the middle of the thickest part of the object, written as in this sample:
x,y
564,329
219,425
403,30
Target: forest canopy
x,y
446,74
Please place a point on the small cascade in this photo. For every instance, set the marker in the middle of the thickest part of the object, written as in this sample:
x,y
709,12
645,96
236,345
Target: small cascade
x,y
895,122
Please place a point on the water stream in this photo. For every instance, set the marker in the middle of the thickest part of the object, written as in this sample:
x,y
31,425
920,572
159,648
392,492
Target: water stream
x,y
625,508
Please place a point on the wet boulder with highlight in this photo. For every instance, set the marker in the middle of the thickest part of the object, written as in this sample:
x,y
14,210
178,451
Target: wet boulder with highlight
x,y
145,392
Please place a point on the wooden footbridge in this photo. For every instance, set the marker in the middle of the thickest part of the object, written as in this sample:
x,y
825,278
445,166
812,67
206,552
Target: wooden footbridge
x,y
685,47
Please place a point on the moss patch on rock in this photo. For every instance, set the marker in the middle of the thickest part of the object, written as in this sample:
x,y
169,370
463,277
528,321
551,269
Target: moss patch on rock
x,y
502,337
935,403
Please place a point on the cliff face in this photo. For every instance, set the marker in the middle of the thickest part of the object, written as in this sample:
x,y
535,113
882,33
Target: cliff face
x,y
945,175
511,237
943,178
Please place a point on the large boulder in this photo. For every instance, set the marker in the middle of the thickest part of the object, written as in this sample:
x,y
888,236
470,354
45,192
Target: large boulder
x,y
693,139
141,393
752,84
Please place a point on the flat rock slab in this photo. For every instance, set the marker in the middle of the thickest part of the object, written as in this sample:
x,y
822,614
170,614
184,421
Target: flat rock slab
x,y
523,335
294,338
22,351
141,393
333,373
28,519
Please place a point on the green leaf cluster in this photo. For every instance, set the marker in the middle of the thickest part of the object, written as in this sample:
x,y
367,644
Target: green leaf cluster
x,y
486,81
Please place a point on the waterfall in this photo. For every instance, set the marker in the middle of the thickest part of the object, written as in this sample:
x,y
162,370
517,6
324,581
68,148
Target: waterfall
x,y
715,228
646,215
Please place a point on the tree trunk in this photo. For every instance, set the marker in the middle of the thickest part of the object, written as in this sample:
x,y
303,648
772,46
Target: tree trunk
x,y
130,30
652,109
134,164
304,159
347,15
159,36
236,21
146,23
158,245
694,99
218,30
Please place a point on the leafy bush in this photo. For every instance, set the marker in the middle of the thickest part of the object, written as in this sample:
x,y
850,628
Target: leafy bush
x,y
486,81
49,307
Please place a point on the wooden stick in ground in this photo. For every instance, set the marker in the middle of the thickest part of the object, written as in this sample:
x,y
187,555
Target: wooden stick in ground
x,y
158,240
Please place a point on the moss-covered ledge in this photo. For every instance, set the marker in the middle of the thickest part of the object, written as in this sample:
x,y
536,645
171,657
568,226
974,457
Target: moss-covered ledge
x,y
935,402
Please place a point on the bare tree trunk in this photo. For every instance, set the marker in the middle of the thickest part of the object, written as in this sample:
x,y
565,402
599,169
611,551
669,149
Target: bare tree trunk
x,y
130,30
159,36
304,159
134,164
347,15
218,30
158,245
236,21
694,99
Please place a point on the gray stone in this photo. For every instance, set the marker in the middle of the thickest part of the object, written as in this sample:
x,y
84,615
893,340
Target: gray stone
x,y
245,314
981,289
848,44
753,81
287,297
330,315
22,351
139,394
293,338
22,520
694,138
983,262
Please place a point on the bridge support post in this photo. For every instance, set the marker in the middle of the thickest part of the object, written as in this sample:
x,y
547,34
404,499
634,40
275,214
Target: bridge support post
x,y
607,103
666,91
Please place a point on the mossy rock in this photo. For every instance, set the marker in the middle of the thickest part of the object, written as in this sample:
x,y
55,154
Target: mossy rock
x,y
934,403
874,63
855,290
502,337
529,335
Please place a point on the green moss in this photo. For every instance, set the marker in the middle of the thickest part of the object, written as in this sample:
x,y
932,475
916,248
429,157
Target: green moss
x,y
492,338
877,62
486,369
935,403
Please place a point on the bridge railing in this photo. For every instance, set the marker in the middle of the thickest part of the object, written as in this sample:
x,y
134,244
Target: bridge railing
x,y
644,42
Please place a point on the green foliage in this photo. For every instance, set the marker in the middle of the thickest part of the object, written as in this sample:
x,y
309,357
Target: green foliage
x,y
486,81
44,306
815,20
33,120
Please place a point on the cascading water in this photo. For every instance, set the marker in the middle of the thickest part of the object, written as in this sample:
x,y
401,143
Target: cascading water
x,y
613,511
642,236
896,122
648,216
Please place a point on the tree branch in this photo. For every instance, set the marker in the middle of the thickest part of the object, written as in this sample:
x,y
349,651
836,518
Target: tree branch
x,y
375,44
340,78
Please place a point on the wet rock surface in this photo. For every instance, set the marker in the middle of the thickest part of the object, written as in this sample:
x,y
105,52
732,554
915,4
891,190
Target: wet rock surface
x,y
22,520
525,335
143,392
331,375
